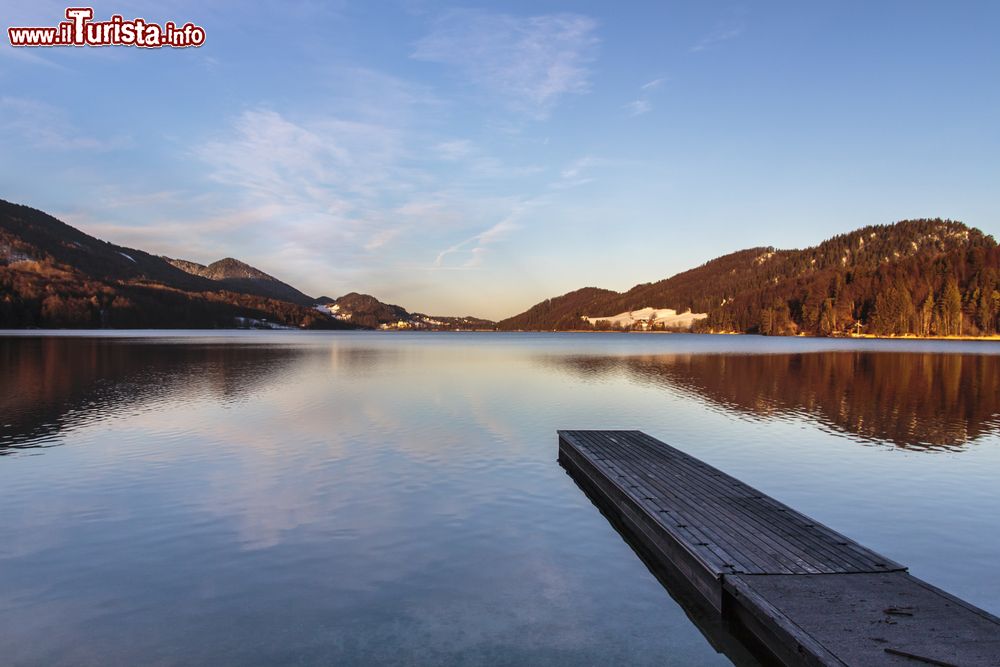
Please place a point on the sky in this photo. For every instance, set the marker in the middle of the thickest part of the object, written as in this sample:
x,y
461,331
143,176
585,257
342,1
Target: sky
x,y
476,158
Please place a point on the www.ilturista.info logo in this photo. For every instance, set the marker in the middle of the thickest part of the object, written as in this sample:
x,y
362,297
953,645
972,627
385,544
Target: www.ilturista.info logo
x,y
81,30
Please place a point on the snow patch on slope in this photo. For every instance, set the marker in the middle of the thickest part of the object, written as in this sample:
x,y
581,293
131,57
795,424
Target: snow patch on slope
x,y
659,317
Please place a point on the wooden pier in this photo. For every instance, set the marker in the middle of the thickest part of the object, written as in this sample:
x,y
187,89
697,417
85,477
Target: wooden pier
x,y
795,590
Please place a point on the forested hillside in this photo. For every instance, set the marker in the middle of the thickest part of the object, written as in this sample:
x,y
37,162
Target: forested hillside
x,y
563,312
53,275
922,277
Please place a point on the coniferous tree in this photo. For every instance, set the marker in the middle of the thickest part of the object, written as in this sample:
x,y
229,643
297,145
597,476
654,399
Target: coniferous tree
x,y
927,314
986,310
951,308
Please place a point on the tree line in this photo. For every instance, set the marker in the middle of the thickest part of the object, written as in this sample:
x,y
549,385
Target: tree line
x,y
914,277
44,295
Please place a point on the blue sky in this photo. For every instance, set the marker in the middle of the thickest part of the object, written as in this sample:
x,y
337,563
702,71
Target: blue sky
x,y
477,158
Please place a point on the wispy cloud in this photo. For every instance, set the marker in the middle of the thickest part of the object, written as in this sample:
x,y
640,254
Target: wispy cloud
x,y
326,181
638,107
45,126
327,192
26,56
38,13
719,35
454,150
474,249
642,103
176,233
381,238
528,63
474,161
376,96
575,173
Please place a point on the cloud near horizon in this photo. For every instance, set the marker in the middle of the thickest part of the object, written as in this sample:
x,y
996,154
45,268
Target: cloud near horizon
x,y
325,191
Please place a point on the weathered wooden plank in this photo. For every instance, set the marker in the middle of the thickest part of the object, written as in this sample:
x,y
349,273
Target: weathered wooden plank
x,y
767,546
700,508
782,520
807,529
757,530
815,534
689,534
675,553
761,538
855,617
734,540
804,593
685,515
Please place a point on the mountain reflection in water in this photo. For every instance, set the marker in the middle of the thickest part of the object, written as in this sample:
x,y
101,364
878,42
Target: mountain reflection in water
x,y
916,401
49,385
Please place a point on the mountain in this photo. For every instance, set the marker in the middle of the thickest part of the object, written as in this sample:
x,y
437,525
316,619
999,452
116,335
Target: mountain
x,y
241,277
366,311
919,277
29,235
54,275
923,277
563,312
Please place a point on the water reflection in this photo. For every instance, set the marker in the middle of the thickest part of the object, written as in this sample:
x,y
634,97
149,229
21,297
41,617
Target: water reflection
x,y
917,401
340,498
337,499
725,637
49,385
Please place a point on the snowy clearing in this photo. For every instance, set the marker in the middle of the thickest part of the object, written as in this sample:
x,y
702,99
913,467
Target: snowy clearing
x,y
665,317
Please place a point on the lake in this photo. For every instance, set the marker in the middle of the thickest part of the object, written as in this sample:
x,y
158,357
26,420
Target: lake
x,y
348,498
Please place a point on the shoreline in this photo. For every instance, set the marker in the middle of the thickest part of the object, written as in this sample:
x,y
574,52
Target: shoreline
x,y
991,337
41,331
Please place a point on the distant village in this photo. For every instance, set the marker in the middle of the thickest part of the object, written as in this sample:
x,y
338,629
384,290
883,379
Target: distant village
x,y
411,321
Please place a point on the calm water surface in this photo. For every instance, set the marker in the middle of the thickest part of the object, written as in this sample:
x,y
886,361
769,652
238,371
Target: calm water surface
x,y
300,498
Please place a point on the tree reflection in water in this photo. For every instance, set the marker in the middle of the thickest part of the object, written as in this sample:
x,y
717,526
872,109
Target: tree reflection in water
x,y
917,401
